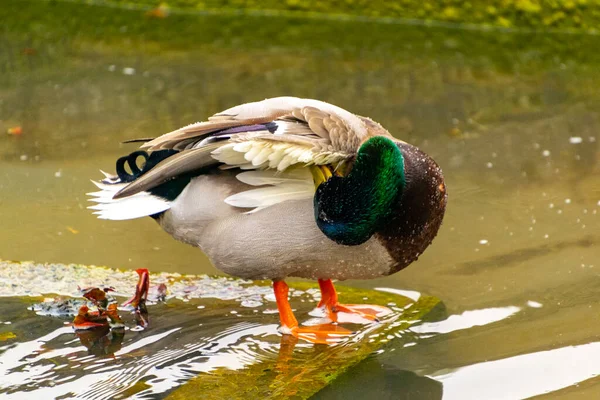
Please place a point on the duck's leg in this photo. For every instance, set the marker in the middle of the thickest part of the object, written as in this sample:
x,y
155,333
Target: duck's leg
x,y
286,315
326,334
329,302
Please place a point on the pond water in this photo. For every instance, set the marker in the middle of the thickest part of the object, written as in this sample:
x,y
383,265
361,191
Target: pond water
x,y
511,118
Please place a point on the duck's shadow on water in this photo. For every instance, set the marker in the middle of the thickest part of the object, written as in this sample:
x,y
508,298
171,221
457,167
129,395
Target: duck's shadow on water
x,y
384,382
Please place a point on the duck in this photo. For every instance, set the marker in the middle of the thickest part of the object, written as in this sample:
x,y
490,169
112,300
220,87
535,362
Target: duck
x,y
286,187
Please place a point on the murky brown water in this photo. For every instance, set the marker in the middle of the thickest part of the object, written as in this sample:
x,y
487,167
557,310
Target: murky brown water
x,y
512,119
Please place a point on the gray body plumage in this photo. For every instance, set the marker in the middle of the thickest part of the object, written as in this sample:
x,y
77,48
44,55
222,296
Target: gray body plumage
x,y
279,241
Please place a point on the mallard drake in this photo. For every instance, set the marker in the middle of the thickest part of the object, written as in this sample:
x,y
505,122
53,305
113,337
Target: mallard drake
x,y
286,187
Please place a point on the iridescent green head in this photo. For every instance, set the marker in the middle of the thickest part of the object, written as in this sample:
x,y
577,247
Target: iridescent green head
x,y
349,210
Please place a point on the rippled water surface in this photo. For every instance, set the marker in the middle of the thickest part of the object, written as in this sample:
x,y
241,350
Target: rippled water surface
x,y
511,118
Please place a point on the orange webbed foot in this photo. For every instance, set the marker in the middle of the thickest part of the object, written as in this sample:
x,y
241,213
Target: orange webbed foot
x,y
325,330
347,313
320,334
357,313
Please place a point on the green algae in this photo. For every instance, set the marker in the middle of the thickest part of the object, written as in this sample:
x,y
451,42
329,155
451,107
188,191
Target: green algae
x,y
72,26
568,15
204,331
63,80
300,372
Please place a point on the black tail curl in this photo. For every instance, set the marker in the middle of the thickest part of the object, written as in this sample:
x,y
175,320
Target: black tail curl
x,y
168,190
150,161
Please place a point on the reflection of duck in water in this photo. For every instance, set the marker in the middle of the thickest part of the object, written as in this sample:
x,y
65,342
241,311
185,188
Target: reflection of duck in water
x,y
287,187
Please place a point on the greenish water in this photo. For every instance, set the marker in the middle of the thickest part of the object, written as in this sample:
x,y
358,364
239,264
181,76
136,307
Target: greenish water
x,y
214,336
511,118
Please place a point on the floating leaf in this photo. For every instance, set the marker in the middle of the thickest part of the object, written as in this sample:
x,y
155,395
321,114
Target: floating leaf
x,y
7,335
15,130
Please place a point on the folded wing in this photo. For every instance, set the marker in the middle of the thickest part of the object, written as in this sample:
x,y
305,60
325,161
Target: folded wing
x,y
273,134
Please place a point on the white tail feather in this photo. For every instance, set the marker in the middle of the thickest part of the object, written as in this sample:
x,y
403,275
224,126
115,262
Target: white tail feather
x,y
139,205
110,177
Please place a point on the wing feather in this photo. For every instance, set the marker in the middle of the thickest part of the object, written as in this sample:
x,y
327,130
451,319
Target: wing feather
x,y
274,188
271,134
310,112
